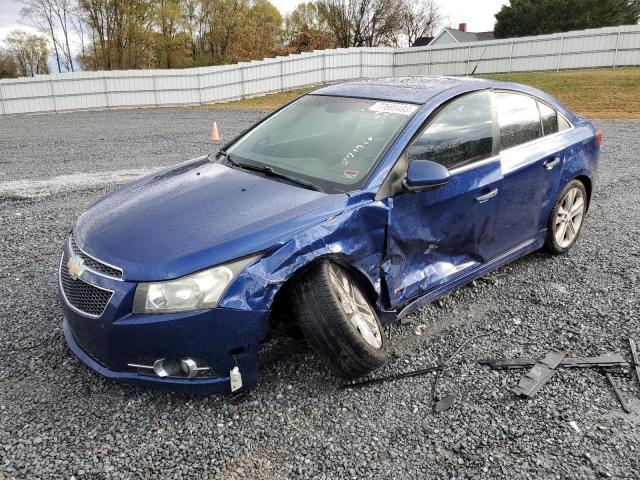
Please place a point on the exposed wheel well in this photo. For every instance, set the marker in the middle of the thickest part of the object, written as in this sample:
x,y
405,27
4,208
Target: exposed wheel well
x,y
282,318
587,185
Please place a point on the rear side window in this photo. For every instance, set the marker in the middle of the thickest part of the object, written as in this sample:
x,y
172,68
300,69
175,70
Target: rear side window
x,y
461,134
563,123
549,119
518,119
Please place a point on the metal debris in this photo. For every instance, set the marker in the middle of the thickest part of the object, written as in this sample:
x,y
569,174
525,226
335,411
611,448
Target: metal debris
x,y
415,373
396,376
539,375
621,399
607,360
573,424
634,356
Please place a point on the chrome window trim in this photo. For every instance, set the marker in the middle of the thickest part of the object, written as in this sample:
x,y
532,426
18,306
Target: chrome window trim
x,y
471,166
533,142
86,267
66,300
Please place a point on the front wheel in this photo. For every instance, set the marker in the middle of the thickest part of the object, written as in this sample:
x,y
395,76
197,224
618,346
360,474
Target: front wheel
x,y
338,321
567,218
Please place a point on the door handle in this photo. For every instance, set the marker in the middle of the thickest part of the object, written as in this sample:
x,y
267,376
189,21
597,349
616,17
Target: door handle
x,y
487,196
552,162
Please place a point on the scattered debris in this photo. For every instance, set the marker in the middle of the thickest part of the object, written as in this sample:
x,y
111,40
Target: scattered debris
x,y
414,373
418,330
621,399
559,287
543,370
607,360
539,375
238,397
634,356
396,376
444,404
573,424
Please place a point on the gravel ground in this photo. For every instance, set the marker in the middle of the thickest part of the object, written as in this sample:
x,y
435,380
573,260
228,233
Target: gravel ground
x,y
58,419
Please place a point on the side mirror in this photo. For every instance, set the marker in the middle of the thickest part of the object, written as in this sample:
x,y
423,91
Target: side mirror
x,y
425,174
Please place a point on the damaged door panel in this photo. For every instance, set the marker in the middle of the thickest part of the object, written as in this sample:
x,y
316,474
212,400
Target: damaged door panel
x,y
434,236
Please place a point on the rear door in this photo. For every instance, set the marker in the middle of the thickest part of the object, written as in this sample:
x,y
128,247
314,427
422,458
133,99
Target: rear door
x,y
435,236
531,154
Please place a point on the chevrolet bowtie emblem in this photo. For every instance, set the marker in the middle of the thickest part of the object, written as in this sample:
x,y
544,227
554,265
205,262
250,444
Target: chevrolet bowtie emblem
x,y
74,267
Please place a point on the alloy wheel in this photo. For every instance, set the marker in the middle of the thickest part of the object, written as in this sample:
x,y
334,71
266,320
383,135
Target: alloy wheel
x,y
569,217
355,306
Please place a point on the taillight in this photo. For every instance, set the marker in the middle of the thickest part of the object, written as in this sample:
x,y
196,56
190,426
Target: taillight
x,y
599,137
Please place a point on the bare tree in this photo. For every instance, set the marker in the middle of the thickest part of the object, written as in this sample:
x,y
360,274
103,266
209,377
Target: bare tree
x,y
363,23
420,18
52,18
78,22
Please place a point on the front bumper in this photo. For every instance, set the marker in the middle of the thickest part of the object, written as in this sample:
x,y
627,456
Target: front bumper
x,y
224,338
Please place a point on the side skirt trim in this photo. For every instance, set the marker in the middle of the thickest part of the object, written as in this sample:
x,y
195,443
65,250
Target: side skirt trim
x,y
516,252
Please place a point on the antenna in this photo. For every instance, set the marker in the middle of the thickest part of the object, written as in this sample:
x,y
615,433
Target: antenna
x,y
479,60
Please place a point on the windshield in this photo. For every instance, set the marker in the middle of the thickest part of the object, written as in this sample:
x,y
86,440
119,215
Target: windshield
x,y
333,142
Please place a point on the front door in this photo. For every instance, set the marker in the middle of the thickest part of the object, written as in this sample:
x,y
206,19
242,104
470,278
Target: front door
x,y
435,236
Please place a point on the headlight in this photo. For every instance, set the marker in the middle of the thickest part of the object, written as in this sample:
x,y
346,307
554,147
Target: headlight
x,y
197,291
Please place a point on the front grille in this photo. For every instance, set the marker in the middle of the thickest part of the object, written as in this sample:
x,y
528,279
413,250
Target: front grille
x,y
83,296
88,346
94,264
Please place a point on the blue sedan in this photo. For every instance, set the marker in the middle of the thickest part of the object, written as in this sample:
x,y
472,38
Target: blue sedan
x,y
343,211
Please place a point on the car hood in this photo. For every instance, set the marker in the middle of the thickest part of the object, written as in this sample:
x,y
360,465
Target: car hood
x,y
196,215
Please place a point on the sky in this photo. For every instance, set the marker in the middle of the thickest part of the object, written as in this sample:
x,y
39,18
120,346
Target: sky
x,y
477,14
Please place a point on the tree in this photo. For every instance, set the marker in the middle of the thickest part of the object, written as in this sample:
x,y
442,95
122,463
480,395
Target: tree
x,y
122,35
420,19
224,23
194,20
363,23
53,18
305,30
8,67
260,32
30,52
173,39
536,17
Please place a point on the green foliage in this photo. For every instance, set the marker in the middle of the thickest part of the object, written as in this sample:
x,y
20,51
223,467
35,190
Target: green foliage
x,y
536,17
8,67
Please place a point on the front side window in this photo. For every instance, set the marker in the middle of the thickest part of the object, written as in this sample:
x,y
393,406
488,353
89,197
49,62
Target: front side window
x,y
518,119
333,142
460,135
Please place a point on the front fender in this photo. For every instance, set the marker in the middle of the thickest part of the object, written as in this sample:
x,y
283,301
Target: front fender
x,y
356,237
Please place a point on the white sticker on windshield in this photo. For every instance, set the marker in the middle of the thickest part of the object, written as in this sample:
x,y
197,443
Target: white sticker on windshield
x,y
391,107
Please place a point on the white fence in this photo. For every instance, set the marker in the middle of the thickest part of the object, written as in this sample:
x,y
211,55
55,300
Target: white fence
x,y
605,47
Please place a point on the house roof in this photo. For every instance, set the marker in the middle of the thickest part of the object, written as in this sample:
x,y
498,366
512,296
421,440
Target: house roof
x,y
462,37
422,41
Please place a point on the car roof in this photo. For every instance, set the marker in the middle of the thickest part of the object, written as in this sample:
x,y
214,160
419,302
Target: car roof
x,y
417,90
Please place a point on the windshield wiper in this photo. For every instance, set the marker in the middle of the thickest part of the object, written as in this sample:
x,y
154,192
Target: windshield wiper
x,y
270,172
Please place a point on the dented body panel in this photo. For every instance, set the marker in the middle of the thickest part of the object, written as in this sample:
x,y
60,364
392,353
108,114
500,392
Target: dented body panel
x,y
406,248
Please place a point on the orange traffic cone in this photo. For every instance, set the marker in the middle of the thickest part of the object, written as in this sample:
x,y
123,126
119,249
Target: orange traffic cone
x,y
215,136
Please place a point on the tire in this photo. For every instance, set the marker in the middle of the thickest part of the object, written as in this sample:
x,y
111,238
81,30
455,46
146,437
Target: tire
x,y
563,230
328,327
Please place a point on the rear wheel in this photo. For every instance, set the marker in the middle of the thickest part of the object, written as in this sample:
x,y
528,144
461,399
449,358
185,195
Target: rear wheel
x,y
338,321
567,218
